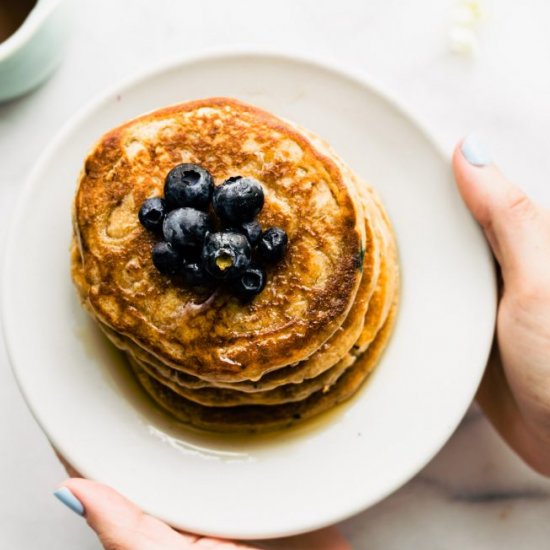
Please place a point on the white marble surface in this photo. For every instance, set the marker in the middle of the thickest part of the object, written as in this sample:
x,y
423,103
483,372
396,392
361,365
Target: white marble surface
x,y
475,494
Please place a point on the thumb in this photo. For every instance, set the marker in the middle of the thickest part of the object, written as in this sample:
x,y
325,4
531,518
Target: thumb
x,y
118,523
510,220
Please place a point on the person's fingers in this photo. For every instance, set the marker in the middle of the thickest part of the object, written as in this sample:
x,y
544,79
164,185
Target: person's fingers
x,y
121,525
513,224
118,523
513,391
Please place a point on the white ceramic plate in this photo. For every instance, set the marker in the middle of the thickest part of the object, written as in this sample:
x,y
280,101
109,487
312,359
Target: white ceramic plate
x,y
91,409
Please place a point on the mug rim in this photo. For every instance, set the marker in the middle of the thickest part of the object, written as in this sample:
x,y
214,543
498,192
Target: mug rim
x,y
28,28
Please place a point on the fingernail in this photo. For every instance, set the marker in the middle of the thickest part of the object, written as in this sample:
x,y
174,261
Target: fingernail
x,y
69,500
475,152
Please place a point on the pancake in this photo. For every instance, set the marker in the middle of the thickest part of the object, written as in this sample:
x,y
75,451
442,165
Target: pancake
x,y
216,337
212,396
285,393
255,418
325,357
288,391
388,285
223,397
378,311
330,353
304,344
333,349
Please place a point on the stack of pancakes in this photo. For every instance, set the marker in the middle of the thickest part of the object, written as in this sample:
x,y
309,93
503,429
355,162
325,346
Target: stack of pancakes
x,y
308,340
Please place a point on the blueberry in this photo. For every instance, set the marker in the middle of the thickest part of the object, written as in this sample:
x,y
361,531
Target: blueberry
x,y
151,213
251,282
192,255
188,185
165,258
226,255
252,231
238,200
186,227
194,274
273,244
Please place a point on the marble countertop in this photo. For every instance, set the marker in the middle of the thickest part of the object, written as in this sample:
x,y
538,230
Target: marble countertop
x,y
475,493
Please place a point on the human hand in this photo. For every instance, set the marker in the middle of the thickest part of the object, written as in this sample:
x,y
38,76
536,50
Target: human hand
x,y
121,525
515,390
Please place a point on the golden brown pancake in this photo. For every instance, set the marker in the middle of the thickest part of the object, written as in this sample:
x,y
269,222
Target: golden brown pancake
x,y
334,349
288,391
223,397
284,393
308,341
328,355
216,337
284,386
253,418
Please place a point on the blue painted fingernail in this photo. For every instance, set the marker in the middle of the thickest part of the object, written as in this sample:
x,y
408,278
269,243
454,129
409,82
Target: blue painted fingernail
x,y
69,500
475,152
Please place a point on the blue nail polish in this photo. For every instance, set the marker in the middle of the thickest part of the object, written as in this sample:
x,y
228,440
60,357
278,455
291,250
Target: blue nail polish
x,y
475,152
69,500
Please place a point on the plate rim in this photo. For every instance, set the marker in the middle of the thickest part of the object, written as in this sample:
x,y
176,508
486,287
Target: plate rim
x,y
352,74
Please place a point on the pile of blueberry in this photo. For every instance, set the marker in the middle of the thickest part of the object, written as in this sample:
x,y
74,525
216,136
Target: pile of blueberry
x,y
202,248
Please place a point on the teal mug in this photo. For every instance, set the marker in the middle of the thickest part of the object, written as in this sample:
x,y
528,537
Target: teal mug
x,y
34,49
